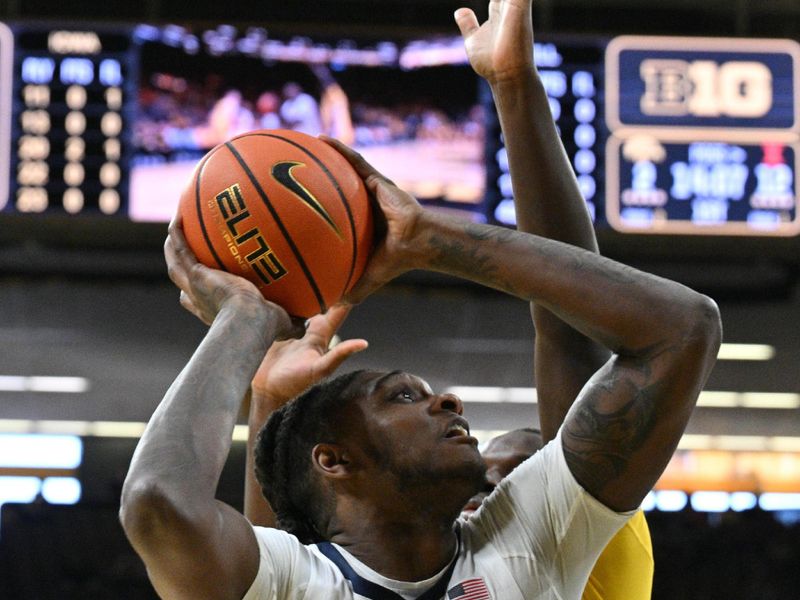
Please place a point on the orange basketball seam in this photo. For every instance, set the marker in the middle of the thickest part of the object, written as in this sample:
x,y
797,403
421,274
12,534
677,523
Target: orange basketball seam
x,y
339,191
265,199
200,218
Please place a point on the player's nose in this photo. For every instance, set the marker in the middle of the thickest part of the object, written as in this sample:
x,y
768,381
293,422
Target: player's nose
x,y
447,403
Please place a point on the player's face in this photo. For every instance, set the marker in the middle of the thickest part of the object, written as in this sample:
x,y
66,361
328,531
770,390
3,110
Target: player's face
x,y
502,455
418,438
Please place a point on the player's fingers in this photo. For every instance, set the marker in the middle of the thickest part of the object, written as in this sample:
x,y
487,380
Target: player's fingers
x,y
359,163
327,324
318,333
179,258
179,244
467,21
386,193
187,303
331,360
494,9
175,230
176,270
392,203
336,315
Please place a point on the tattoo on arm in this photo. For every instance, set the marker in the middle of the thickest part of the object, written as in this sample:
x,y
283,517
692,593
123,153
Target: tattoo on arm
x,y
598,443
468,259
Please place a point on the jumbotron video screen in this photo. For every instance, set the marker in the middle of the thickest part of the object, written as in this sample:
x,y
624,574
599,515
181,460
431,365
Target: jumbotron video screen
x,y
666,135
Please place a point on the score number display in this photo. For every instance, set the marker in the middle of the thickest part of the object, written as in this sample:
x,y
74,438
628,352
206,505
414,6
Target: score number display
x,y
704,136
69,114
699,187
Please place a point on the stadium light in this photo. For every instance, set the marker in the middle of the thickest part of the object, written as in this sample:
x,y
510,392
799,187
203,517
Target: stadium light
x,y
40,451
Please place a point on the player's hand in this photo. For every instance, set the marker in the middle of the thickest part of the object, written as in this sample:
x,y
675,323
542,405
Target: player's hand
x,y
292,366
502,48
205,291
396,221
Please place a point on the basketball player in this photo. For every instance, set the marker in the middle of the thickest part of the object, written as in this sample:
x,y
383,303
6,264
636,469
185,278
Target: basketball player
x,y
624,570
334,107
374,467
229,117
548,203
299,110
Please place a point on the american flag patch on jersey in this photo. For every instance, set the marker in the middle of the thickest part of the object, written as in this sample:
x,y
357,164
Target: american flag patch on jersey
x,y
470,589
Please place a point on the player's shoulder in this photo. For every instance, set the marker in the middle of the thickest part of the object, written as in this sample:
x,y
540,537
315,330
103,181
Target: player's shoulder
x,y
549,461
275,541
288,566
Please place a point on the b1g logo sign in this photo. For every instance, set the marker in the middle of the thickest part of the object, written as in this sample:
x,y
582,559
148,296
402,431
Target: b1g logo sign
x,y
702,83
704,88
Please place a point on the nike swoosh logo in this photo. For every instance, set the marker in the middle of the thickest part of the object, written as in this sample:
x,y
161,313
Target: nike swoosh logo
x,y
282,173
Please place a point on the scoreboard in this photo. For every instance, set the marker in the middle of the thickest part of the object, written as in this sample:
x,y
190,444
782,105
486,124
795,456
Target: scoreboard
x,y
70,113
673,135
704,136
684,136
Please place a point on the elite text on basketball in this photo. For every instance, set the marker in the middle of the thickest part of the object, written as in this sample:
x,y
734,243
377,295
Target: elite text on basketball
x,y
245,241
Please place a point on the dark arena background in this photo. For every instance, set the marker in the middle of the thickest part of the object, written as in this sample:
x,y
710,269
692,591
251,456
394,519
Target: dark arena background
x,y
105,107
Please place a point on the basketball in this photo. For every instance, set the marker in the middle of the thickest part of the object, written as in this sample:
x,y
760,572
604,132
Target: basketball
x,y
284,210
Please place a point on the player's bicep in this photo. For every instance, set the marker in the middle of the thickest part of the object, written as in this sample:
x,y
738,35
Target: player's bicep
x,y
215,556
626,424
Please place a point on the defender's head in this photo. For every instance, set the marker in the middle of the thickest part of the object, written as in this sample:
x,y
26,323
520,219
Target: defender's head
x,y
502,455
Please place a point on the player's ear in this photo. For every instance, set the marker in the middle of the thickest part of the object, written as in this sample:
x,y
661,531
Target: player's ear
x,y
331,460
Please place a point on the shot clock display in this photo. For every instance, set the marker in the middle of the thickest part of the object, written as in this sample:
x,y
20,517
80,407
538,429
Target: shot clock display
x,y
680,136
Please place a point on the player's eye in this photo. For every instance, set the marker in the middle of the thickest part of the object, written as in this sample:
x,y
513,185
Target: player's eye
x,y
405,395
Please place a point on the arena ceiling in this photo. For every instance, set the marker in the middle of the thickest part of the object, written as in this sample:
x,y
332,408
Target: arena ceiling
x,y
713,17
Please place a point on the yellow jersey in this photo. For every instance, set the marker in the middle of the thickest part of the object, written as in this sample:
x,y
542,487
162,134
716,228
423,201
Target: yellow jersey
x,y
624,571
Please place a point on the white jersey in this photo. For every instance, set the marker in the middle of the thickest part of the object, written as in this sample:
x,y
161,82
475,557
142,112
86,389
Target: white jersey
x,y
536,537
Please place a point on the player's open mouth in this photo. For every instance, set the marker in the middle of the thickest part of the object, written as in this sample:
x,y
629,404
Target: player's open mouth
x,y
459,430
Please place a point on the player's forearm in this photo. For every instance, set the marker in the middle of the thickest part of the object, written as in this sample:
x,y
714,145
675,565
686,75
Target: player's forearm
x,y
547,199
256,508
548,202
183,450
628,311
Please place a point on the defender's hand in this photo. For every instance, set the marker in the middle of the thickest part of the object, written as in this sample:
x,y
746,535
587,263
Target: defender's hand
x,y
294,365
502,48
396,221
205,291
